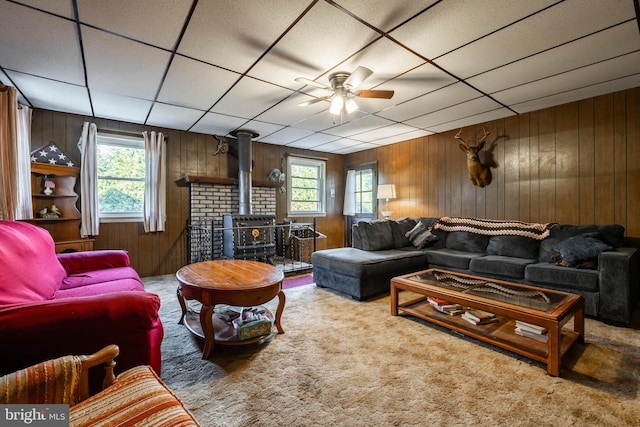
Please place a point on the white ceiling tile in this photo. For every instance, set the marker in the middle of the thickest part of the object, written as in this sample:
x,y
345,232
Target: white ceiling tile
x,y
287,135
421,80
415,133
453,23
235,33
343,144
261,128
313,140
28,46
194,84
157,22
52,95
604,45
354,149
559,24
472,120
384,132
170,116
218,124
119,107
583,77
385,14
456,112
359,126
58,7
433,101
323,38
578,94
121,66
288,111
249,98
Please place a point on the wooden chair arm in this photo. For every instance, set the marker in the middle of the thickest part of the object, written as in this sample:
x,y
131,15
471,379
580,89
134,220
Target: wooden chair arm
x,y
105,356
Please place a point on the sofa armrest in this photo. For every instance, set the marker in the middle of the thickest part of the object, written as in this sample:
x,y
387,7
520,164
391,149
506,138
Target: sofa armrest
x,y
618,281
82,325
79,262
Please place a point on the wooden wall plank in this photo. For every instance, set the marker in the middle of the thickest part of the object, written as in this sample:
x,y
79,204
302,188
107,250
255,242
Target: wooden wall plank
x,y
633,164
547,166
604,159
586,158
524,168
566,181
620,158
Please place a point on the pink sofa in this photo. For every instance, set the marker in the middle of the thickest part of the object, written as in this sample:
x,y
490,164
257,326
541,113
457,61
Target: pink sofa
x,y
53,304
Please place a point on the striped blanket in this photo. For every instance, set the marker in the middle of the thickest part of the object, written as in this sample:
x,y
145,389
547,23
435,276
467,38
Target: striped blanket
x,y
494,227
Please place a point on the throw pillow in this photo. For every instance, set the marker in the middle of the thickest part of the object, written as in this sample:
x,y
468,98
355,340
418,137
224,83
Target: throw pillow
x,y
376,235
513,246
420,236
581,249
400,227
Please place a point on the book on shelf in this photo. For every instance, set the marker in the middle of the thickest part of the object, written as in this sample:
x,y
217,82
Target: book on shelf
x,y
531,327
473,319
445,306
480,315
529,334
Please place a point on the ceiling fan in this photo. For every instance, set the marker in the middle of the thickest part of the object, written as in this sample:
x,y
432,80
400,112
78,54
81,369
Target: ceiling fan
x,y
344,86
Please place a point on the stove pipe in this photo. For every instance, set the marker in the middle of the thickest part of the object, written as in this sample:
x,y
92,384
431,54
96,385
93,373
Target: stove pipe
x,y
244,169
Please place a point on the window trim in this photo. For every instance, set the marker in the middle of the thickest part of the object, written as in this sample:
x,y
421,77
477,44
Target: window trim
x,y
127,141
322,184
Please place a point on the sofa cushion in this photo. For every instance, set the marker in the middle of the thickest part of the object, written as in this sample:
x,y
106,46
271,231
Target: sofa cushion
x,y
357,263
450,258
376,235
30,270
399,229
506,266
581,249
467,242
562,277
420,236
513,246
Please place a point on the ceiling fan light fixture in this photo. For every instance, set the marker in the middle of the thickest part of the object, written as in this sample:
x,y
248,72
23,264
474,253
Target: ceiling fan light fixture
x,y
350,106
336,105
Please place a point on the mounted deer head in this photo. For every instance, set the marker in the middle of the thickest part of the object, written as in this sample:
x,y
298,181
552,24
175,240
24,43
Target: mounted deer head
x,y
479,174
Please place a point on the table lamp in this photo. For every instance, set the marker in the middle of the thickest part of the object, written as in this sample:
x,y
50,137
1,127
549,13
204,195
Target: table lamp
x,y
386,191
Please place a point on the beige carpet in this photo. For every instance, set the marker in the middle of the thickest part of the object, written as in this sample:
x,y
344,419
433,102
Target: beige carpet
x,y
347,363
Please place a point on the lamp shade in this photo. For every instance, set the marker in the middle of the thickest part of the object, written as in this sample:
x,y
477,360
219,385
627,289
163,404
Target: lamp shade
x,y
386,191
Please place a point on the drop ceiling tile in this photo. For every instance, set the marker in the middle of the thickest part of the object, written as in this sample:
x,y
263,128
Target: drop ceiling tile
x,y
288,111
28,47
218,124
323,38
559,24
58,7
431,102
119,107
356,148
474,119
313,140
157,22
384,132
578,94
249,98
287,135
354,128
421,80
344,145
385,14
604,45
172,117
455,112
262,129
52,95
235,33
122,66
416,133
194,84
619,67
453,23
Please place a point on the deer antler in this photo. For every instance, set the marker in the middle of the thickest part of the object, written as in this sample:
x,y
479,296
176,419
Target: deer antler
x,y
486,133
459,136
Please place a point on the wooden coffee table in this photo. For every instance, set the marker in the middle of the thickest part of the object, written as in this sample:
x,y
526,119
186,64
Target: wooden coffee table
x,y
233,282
508,301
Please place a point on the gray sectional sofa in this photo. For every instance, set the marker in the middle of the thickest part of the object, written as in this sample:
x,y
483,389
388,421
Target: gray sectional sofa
x,y
562,259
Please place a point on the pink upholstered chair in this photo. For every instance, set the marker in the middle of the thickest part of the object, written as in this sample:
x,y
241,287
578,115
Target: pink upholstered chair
x,y
53,304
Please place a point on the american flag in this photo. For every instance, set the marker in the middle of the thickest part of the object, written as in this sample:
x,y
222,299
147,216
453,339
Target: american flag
x,y
51,154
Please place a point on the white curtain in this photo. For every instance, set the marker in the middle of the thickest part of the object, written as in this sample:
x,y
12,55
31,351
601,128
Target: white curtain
x,y
8,152
155,188
350,194
88,146
24,207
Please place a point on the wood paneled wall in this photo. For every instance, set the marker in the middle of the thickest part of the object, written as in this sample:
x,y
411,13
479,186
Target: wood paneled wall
x,y
188,153
577,163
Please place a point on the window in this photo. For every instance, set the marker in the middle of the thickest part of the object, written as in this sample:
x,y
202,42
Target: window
x,y
121,175
306,187
359,191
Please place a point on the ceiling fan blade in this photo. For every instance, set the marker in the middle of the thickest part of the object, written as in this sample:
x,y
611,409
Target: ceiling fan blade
x,y
313,101
384,94
308,82
357,77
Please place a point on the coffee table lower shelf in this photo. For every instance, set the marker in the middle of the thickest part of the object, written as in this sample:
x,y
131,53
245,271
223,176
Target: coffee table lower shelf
x,y
193,324
500,333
